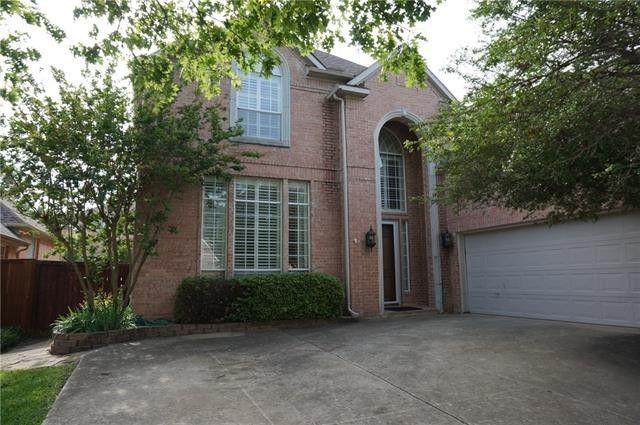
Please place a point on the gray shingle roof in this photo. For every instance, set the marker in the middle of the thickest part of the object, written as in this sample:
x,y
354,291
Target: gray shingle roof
x,y
337,63
11,217
7,233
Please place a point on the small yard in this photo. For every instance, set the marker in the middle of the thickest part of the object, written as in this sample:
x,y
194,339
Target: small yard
x,y
27,395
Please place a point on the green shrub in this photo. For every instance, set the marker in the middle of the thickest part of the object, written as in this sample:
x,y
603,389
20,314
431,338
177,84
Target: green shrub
x,y
143,321
204,299
103,317
288,296
9,336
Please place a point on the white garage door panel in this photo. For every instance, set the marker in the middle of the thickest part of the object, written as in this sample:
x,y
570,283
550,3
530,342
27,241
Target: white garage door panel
x,y
584,272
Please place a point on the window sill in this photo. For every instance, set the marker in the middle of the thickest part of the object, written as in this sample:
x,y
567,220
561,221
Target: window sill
x,y
260,141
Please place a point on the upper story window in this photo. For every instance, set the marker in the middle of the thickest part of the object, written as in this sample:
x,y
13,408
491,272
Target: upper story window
x,y
262,103
392,184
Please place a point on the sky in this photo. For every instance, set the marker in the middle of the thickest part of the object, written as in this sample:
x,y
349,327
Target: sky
x,y
448,29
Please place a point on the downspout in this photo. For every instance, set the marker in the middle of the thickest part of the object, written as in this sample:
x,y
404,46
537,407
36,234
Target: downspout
x,y
345,203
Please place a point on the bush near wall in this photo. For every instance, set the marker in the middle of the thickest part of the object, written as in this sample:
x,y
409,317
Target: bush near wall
x,y
9,336
257,298
205,299
288,296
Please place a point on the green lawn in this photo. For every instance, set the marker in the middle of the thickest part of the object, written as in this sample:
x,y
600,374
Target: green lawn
x,y
27,395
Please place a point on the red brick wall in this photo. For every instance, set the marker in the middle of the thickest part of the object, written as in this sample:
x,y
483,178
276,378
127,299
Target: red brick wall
x,y
314,156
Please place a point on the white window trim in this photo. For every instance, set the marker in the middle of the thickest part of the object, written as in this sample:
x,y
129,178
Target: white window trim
x,y
308,205
405,250
404,175
280,229
285,102
203,268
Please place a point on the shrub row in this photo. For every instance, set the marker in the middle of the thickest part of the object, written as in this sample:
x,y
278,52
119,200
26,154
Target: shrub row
x,y
257,298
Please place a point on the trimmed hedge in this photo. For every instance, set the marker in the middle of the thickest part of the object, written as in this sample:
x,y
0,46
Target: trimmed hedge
x,y
9,336
289,296
258,298
204,299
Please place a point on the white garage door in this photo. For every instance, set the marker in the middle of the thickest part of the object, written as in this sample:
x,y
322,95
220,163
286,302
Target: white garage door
x,y
577,271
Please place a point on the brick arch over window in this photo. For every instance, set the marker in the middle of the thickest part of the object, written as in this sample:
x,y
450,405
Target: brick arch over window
x,y
264,105
401,115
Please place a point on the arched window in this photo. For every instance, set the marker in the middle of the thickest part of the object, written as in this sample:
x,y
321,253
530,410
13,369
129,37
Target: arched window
x,y
262,103
392,184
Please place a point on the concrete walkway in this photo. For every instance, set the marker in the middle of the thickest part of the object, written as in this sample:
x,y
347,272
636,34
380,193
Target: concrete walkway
x,y
467,369
33,353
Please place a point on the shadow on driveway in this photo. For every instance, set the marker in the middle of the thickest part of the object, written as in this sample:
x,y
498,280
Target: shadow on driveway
x,y
469,369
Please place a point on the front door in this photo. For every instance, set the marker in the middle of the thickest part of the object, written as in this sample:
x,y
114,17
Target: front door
x,y
389,263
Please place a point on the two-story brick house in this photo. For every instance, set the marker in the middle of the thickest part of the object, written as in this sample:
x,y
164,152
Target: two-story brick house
x,y
332,167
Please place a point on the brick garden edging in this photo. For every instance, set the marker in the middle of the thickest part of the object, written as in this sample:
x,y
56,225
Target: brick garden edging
x,y
70,343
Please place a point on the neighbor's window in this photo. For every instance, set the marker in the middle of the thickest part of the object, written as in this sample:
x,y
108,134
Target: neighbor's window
x,y
214,225
392,184
298,226
259,104
257,230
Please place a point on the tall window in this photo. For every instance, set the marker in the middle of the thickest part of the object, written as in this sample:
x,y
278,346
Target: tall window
x,y
214,225
298,226
404,255
392,184
259,103
257,227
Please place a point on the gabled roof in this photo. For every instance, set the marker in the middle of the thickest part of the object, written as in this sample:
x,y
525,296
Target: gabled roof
x,y
337,63
11,217
362,73
6,233
373,69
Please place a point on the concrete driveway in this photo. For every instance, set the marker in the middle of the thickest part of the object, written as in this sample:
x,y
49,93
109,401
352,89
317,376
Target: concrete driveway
x,y
469,369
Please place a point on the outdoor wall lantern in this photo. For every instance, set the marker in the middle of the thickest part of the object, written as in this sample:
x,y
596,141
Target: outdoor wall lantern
x,y
370,238
446,239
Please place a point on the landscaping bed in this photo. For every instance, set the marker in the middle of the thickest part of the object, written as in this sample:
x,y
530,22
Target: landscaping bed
x,y
204,305
70,343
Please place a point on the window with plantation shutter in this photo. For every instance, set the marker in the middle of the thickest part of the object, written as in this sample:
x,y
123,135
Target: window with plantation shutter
x,y
392,185
259,105
213,248
298,226
257,229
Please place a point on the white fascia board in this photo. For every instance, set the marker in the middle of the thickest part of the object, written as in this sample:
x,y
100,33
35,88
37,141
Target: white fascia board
x,y
370,71
314,60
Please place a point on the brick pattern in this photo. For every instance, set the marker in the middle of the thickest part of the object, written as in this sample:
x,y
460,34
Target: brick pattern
x,y
314,156
62,344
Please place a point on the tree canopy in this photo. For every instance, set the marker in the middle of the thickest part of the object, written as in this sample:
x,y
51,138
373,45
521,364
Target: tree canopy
x,y
99,168
201,40
552,122
102,177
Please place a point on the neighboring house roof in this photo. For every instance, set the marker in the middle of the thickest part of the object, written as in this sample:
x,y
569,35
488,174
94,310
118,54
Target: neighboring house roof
x,y
8,235
11,217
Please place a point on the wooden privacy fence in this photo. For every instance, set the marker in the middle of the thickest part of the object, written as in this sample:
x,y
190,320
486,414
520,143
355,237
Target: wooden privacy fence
x,y
35,292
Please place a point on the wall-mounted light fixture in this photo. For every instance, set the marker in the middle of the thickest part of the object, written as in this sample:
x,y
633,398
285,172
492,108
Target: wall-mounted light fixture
x,y
446,239
370,238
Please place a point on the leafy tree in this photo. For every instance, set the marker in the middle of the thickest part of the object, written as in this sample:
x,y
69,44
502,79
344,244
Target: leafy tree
x,y
552,122
14,68
102,176
202,39
101,172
